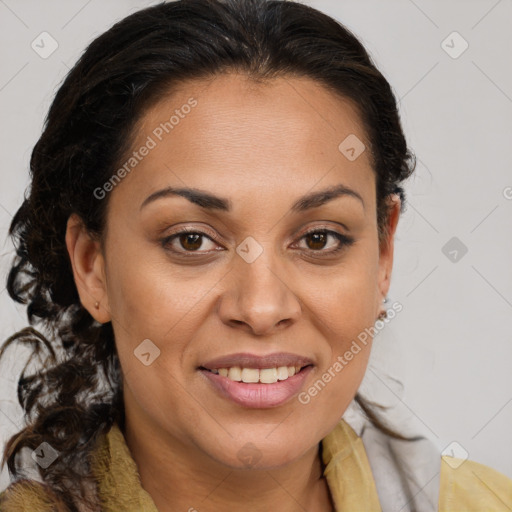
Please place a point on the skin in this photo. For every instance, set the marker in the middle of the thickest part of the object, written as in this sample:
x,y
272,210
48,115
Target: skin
x,y
262,146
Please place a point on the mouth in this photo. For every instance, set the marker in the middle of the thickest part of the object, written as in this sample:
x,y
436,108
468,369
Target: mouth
x,y
257,381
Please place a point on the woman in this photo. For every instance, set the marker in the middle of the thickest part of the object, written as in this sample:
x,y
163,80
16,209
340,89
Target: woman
x,y
207,240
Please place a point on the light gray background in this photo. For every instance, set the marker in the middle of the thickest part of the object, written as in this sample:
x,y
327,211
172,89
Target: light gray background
x,y
454,331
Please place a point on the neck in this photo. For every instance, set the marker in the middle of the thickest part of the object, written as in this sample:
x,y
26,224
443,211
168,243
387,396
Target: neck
x,y
180,477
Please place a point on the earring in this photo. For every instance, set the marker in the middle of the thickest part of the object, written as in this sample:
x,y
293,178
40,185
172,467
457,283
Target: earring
x,y
383,314
97,305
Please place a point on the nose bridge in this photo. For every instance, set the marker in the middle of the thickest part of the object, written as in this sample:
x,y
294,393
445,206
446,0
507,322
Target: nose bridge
x,y
260,295
259,283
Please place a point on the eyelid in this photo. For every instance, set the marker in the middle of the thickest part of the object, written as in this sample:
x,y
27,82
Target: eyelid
x,y
192,229
323,227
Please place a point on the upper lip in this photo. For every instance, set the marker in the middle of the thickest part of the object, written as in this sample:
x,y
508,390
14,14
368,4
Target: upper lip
x,y
246,360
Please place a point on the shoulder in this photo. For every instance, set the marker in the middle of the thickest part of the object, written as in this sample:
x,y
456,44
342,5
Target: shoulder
x,y
469,486
26,495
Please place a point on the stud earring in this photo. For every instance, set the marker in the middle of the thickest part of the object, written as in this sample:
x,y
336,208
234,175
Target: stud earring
x,y
97,305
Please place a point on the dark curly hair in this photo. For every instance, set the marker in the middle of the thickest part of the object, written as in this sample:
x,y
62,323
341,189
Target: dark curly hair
x,y
76,395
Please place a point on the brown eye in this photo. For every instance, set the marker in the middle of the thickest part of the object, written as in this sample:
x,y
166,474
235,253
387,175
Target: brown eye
x,y
318,240
191,241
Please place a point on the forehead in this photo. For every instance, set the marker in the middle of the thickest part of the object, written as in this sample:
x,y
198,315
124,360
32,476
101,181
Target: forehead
x,y
231,130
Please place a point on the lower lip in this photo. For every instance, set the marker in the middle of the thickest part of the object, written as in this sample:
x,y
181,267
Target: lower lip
x,y
257,395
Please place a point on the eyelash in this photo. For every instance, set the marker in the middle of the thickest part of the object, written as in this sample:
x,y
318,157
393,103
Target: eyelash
x,y
345,241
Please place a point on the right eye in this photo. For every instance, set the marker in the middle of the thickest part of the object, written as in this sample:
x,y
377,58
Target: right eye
x,y
186,241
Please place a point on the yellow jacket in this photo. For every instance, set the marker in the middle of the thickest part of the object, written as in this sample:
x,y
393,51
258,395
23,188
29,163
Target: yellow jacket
x,y
468,487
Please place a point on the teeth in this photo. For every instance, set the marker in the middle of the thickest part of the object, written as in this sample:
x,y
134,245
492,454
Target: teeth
x,y
234,373
282,373
269,375
252,375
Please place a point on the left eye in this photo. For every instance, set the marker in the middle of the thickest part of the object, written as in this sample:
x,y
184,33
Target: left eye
x,y
316,241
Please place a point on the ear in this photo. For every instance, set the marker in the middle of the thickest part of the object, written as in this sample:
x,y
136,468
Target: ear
x,y
88,269
386,250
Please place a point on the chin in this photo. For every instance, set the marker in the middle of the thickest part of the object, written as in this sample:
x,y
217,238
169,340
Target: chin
x,y
261,455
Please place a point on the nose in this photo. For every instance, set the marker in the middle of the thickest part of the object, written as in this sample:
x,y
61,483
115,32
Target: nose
x,y
259,297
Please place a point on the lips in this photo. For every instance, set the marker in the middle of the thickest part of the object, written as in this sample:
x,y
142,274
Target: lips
x,y
246,360
257,381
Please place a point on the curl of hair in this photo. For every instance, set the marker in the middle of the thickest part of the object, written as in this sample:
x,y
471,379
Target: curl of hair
x,y
76,394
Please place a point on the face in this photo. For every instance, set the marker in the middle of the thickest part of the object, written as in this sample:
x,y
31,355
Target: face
x,y
255,273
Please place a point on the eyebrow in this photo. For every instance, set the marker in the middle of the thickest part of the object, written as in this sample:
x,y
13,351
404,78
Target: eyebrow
x,y
209,201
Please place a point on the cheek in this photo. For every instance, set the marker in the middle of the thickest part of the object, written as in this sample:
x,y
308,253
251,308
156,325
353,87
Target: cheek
x,y
346,317
334,385
152,303
157,301
343,302
153,299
